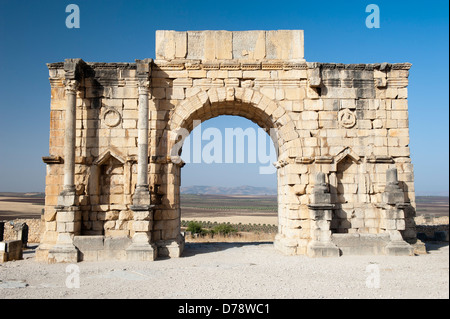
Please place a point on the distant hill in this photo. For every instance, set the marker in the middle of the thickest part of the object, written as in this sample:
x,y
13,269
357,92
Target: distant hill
x,y
217,190
28,195
423,193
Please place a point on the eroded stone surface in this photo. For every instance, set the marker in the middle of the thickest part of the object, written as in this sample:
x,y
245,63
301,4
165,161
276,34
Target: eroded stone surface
x,y
347,121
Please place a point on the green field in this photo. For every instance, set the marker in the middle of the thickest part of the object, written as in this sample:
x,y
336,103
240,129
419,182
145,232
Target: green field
x,y
229,202
216,205
435,205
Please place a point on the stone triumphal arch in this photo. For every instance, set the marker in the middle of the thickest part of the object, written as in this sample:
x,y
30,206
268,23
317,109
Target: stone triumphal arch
x,y
345,178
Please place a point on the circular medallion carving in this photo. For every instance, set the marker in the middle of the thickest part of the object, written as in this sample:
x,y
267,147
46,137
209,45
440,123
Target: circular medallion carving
x,y
347,118
112,118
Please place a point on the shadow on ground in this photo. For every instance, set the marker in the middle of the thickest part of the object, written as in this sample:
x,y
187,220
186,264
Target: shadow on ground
x,y
434,245
192,249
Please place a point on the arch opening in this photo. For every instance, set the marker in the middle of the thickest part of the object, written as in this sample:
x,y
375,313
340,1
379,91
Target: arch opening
x,y
209,104
233,182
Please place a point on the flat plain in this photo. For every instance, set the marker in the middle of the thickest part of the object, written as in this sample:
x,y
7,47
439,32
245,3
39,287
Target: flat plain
x,y
245,209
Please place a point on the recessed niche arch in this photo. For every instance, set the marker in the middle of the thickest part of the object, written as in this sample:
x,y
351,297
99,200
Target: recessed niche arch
x,y
108,184
345,190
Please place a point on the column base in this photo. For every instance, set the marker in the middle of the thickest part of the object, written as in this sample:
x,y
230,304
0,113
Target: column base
x,y
141,252
141,197
42,252
63,253
322,249
67,198
399,248
285,245
171,248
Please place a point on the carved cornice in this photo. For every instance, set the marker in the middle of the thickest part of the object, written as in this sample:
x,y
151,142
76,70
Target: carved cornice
x,y
172,66
231,65
379,159
52,159
56,82
55,65
113,65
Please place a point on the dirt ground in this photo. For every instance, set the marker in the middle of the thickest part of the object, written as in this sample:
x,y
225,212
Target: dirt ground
x,y
234,271
228,270
19,207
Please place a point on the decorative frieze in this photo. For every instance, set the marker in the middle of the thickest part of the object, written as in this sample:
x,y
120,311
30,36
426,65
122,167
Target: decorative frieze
x,y
210,66
230,66
250,66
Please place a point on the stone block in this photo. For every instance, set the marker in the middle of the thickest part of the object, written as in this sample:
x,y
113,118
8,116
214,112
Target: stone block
x,y
89,243
117,232
320,249
361,244
141,226
109,224
88,255
313,105
393,198
391,224
14,249
286,246
125,215
111,215
63,253
399,248
171,248
357,222
170,44
141,252
105,255
117,243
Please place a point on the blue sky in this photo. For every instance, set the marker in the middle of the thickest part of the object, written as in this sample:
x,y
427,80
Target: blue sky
x,y
33,33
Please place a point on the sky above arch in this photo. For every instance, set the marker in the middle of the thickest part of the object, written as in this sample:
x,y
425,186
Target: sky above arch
x,y
33,33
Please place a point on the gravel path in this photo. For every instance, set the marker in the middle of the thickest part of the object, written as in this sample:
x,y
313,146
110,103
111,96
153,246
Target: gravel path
x,y
234,270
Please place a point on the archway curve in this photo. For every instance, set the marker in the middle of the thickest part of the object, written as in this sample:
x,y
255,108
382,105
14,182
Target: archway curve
x,y
251,104
245,102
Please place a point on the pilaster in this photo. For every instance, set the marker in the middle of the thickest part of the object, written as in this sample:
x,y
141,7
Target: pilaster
x,y
393,202
321,212
141,247
68,214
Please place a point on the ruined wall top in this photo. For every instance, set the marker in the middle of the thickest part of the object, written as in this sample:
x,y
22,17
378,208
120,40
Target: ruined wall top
x,y
227,45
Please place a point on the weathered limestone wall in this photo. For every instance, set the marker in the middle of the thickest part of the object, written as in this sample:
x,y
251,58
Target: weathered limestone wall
x,y
334,118
230,45
348,121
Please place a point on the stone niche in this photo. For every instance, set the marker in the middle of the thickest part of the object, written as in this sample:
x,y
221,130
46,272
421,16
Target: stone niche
x,y
345,177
